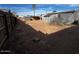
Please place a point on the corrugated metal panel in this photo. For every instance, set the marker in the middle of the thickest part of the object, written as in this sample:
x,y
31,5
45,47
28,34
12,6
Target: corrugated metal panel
x,y
6,25
2,34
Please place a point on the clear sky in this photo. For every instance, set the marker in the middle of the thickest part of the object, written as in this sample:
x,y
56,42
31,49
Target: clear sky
x,y
26,9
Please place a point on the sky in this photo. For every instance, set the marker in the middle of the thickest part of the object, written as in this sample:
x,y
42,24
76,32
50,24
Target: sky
x,y
26,9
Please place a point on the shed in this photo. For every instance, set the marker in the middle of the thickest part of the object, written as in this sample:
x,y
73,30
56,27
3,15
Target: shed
x,y
67,17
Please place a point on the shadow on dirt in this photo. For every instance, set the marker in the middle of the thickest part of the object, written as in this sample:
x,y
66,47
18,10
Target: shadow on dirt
x,y
26,40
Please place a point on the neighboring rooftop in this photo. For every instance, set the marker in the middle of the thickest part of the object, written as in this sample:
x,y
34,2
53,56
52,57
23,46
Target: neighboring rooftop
x,y
49,14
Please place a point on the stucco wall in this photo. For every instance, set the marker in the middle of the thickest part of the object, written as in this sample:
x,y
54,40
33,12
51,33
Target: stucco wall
x,y
76,15
65,18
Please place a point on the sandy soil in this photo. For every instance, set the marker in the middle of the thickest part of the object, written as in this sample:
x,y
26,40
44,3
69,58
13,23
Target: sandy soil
x,y
45,28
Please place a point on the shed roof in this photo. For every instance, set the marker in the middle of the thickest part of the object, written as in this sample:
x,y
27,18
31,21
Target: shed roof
x,y
49,14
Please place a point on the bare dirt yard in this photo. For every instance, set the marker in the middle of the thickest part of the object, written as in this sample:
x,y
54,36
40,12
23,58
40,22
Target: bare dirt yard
x,y
39,37
45,28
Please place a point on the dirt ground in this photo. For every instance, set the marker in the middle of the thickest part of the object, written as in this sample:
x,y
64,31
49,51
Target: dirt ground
x,y
39,37
45,28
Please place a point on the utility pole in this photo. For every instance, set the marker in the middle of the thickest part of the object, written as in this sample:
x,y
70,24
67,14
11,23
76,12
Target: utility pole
x,y
34,6
46,11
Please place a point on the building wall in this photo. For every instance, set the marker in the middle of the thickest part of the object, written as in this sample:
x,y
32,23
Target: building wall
x,y
76,15
53,18
65,18
45,19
